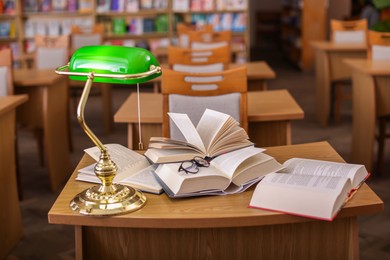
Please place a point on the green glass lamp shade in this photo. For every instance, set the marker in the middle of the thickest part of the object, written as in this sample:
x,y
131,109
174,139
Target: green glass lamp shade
x,y
107,62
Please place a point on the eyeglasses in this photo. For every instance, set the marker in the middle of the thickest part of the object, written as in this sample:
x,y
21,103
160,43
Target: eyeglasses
x,y
193,165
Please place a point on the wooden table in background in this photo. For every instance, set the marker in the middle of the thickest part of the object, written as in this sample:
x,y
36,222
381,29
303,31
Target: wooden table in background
x,y
217,227
371,98
47,108
269,115
11,226
329,66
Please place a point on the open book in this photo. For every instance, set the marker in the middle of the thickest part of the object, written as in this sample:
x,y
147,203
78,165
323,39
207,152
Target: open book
x,y
216,133
310,188
133,168
229,173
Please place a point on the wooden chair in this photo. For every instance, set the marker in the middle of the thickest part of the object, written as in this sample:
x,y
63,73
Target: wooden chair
x,y
379,49
198,59
210,37
51,51
378,45
192,93
183,31
79,38
350,32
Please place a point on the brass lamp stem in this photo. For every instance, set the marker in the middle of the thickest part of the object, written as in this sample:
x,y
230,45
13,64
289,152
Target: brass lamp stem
x,y
107,198
80,113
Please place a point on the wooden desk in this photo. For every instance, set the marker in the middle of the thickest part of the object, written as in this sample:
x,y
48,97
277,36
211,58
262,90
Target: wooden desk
x,y
269,116
258,72
371,98
329,66
11,226
47,110
217,227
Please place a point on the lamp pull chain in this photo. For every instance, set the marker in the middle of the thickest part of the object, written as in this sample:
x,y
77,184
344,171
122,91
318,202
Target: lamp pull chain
x,y
140,144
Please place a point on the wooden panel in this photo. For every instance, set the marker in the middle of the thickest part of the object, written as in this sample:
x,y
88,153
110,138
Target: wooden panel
x,y
310,240
10,216
338,69
314,28
363,129
272,133
382,95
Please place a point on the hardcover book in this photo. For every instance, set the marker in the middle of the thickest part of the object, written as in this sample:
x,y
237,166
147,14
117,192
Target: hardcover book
x,y
216,133
310,188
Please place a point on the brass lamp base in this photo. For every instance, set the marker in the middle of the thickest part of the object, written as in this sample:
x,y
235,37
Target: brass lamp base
x,y
95,201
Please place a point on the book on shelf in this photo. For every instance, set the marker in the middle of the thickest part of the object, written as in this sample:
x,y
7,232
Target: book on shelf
x,y
160,4
216,133
30,6
146,4
72,5
45,5
133,169
229,173
132,6
103,6
59,5
181,5
310,188
9,7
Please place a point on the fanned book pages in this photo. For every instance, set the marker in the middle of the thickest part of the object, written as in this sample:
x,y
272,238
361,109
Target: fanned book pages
x,y
216,133
309,188
133,168
228,173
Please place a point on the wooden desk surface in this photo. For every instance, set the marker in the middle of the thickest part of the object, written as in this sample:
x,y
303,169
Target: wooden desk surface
x,y
8,103
331,46
212,211
366,66
31,77
262,106
257,70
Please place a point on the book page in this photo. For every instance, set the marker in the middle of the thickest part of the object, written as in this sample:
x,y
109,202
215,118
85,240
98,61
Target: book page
x,y
183,122
300,181
179,182
127,160
230,161
311,196
355,172
210,125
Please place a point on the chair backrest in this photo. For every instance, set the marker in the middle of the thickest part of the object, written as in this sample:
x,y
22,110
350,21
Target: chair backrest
x,y
57,48
178,56
192,93
353,31
378,45
183,31
210,37
6,81
80,38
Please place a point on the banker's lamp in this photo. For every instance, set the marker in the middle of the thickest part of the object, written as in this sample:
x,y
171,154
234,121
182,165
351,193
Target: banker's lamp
x,y
118,65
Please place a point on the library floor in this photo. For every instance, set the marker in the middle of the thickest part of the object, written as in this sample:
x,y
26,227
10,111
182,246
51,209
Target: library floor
x,y
44,241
